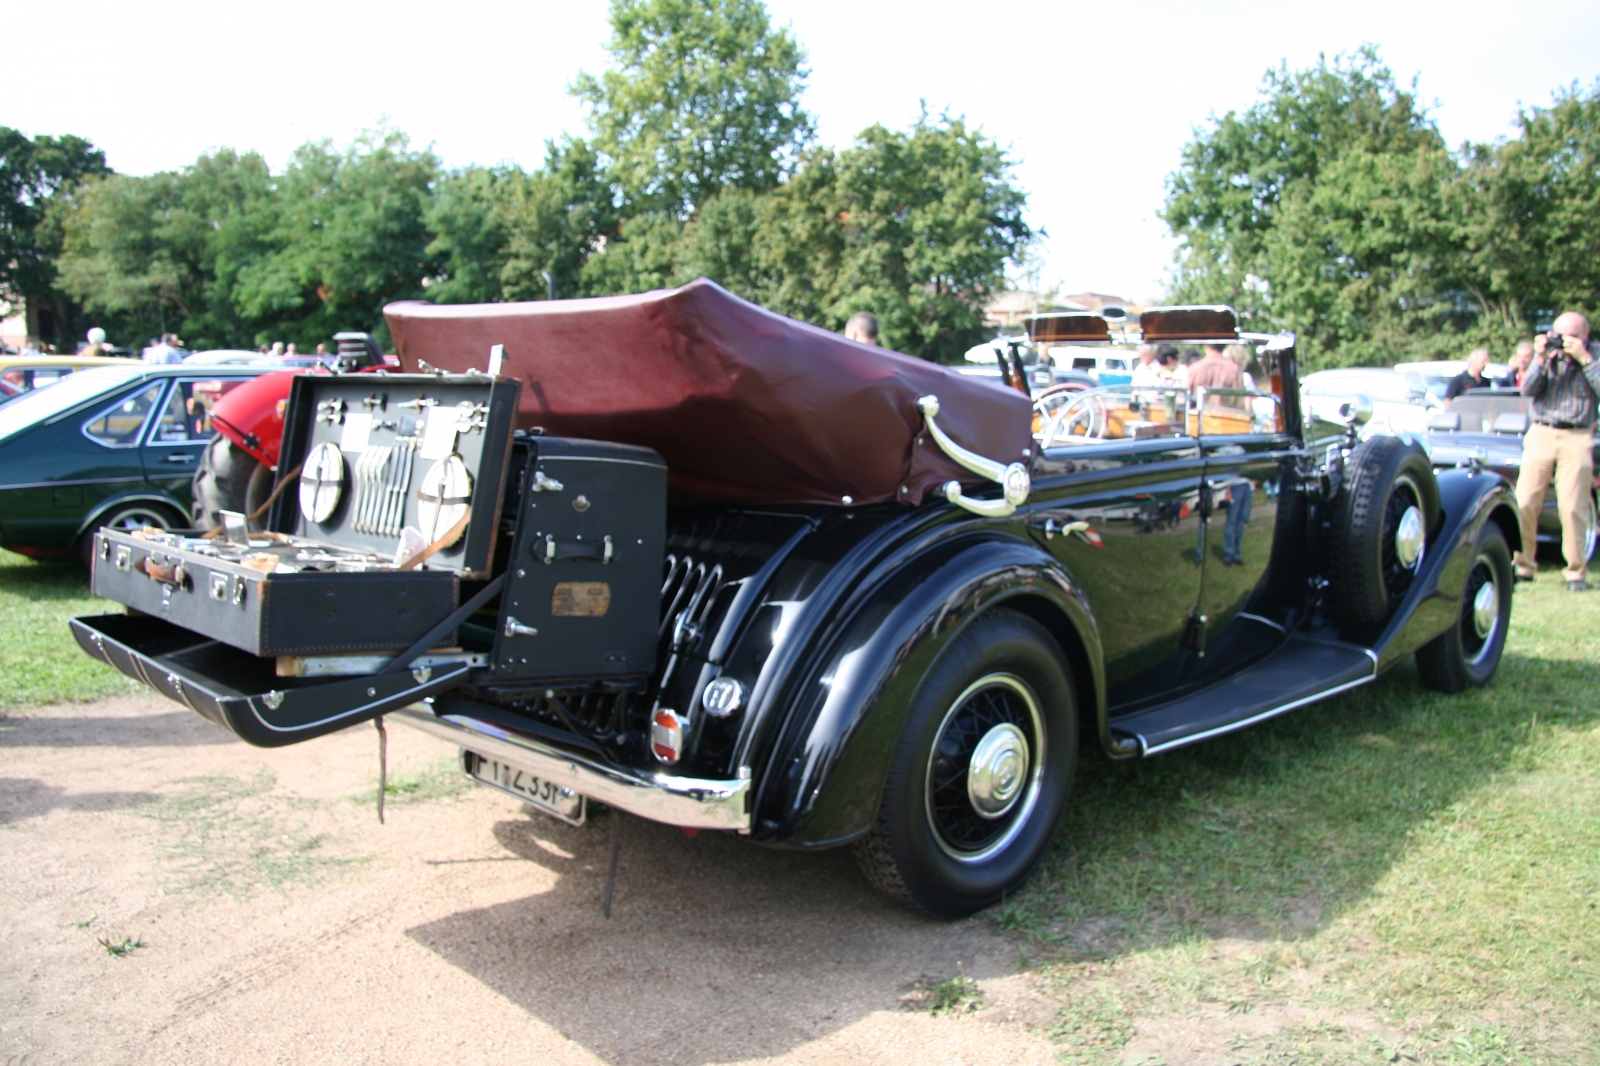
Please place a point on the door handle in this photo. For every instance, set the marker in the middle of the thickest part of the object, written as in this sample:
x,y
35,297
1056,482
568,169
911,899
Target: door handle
x,y
177,458
1051,529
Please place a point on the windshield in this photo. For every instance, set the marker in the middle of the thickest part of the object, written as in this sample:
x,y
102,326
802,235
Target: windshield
x,y
27,411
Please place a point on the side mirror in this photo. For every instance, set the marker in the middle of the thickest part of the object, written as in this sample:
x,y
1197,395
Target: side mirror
x,y
1356,411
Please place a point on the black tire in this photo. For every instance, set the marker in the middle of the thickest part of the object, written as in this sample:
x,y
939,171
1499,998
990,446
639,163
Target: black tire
x,y
228,479
128,516
1383,479
1468,653
931,849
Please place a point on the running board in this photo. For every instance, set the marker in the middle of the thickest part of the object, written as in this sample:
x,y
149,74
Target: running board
x,y
1304,670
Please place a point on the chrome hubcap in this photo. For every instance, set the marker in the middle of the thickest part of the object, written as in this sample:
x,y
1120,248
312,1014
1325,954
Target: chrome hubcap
x,y
1409,538
998,769
1485,608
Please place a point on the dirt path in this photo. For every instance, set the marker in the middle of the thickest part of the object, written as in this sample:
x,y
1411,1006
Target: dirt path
x,y
280,923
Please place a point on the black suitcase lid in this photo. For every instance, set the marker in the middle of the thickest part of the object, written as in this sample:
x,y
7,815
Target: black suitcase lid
x,y
381,459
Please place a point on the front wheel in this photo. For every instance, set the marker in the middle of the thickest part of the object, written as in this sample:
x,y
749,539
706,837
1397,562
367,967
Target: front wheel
x,y
1468,653
981,774
228,479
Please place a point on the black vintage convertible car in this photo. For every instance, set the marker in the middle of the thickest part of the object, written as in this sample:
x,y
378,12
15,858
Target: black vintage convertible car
x,y
724,570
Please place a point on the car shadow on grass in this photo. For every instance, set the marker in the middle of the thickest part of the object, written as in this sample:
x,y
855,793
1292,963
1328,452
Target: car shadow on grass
x,y
167,729
26,797
1274,832
716,951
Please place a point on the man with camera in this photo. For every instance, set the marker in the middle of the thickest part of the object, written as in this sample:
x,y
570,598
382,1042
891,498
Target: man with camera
x,y
1562,384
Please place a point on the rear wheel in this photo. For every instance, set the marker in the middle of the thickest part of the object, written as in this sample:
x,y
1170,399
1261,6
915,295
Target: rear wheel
x,y
1468,653
228,479
981,774
126,518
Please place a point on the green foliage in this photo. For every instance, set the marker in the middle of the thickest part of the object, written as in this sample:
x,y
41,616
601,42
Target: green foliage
x,y
349,237
40,662
497,230
1526,209
228,255
1332,207
33,172
916,227
703,95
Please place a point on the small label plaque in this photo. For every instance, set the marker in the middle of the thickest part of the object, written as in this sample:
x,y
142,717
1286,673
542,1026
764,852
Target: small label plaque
x,y
580,599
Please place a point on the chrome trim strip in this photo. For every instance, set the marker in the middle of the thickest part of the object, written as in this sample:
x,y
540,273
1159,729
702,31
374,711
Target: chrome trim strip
x,y
695,803
436,684
78,481
1263,621
598,459
1147,749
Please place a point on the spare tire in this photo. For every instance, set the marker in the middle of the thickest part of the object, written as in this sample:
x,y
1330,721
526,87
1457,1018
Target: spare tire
x,y
228,479
1386,507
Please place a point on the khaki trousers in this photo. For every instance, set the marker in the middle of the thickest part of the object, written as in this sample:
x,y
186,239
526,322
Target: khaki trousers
x,y
1568,454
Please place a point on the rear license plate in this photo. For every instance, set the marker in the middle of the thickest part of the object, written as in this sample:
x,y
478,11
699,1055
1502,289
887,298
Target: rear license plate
x,y
551,798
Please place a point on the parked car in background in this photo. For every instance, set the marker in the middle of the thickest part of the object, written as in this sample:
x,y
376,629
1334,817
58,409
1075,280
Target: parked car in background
x,y
1487,425
21,374
110,445
223,357
1438,372
1113,366
1400,401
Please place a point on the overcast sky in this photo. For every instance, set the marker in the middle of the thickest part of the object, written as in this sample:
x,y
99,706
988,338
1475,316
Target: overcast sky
x,y
1094,101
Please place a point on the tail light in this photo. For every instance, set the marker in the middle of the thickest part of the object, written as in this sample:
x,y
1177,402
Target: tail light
x,y
666,735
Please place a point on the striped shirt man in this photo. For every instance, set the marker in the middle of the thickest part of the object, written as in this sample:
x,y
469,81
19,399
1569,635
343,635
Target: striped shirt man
x,y
1562,395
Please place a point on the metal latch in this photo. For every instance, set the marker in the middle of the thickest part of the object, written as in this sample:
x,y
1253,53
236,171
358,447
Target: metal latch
x,y
515,628
1012,478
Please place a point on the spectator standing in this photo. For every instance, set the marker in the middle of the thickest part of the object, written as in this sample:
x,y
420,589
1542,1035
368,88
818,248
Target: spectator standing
x,y
155,351
1215,371
862,328
1148,370
290,351
1186,361
1241,357
322,349
1561,387
277,350
97,343
1167,356
1470,378
1519,362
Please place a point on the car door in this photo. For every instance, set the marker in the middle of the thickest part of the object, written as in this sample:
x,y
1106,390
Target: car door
x,y
1248,458
178,437
1116,501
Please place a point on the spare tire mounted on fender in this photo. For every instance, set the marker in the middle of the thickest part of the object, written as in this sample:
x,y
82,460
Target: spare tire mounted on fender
x,y
1381,518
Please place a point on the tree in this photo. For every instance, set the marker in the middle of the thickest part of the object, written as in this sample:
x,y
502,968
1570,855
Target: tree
x,y
704,95
499,230
347,236
1321,209
33,172
159,253
916,227
1525,210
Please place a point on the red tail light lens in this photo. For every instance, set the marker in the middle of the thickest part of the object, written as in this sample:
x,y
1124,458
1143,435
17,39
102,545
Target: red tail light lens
x,y
666,735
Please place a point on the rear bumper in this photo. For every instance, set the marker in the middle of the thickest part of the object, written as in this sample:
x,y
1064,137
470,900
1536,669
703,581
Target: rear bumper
x,y
685,801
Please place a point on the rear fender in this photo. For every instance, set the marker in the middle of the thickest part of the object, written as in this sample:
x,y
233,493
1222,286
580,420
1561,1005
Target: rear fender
x,y
251,415
826,771
1467,500
101,509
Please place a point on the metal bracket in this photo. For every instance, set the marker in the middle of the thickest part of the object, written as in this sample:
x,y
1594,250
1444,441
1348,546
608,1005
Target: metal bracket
x,y
1012,478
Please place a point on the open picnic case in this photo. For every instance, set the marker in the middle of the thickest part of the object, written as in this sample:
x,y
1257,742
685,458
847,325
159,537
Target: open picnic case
x,y
395,524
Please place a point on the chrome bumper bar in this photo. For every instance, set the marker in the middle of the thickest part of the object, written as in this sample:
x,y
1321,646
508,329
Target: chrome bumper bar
x,y
687,801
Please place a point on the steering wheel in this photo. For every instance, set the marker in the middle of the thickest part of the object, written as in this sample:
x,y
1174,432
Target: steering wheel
x,y
1081,414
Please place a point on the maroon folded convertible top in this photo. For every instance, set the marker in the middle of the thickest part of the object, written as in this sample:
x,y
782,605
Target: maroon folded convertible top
x,y
746,406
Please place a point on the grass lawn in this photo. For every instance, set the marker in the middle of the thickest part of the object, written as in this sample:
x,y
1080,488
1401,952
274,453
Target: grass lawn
x,y
1391,876
39,660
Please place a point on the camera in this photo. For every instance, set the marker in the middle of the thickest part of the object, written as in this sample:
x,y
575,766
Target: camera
x,y
1554,345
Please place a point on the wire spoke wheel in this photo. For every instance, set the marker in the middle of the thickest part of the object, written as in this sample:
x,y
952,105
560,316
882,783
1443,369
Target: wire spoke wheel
x,y
985,768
